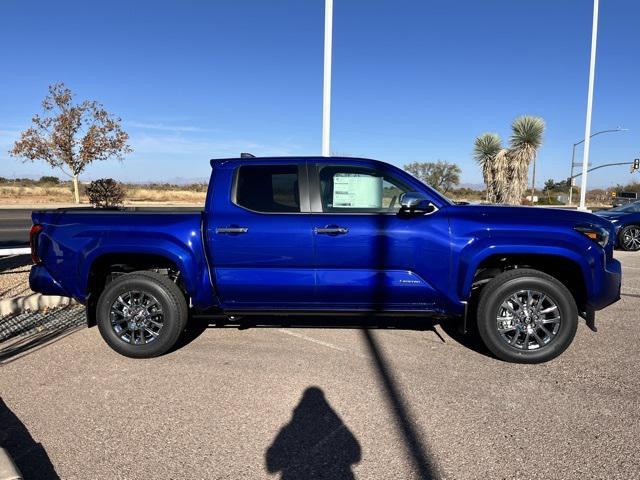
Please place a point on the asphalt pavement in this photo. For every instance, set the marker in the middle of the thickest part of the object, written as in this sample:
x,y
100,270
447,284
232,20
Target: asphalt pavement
x,y
392,399
14,227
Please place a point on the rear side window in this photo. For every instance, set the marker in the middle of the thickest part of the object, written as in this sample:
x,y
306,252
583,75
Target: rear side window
x,y
268,188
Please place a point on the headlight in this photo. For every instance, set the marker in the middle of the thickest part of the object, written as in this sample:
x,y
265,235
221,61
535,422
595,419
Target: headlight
x,y
599,235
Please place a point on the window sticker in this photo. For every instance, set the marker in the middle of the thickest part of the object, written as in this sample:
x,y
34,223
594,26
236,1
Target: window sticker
x,y
357,191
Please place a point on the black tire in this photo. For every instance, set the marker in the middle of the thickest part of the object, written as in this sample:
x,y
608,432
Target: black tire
x,y
514,282
628,238
173,306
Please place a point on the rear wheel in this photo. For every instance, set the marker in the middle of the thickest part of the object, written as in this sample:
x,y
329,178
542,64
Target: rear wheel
x,y
526,316
629,238
141,314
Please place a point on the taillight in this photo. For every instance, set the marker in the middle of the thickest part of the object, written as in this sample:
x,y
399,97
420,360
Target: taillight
x,y
33,241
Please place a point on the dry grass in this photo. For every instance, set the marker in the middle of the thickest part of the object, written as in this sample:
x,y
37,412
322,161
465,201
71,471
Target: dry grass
x,y
12,195
164,195
23,195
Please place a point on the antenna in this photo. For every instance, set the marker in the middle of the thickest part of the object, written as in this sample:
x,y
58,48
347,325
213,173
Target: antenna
x,y
247,155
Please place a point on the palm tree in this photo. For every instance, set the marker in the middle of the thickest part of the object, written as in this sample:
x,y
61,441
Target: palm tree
x,y
485,149
524,143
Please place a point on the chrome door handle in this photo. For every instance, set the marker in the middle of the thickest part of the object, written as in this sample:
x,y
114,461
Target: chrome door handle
x,y
231,230
331,230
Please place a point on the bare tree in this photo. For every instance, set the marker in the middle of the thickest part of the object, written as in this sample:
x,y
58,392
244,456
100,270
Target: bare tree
x,y
440,175
70,136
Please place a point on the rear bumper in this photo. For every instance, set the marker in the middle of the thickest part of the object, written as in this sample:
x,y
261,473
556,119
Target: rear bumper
x,y
607,286
41,281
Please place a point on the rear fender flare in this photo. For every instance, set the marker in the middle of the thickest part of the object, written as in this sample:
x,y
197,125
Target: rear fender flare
x,y
184,259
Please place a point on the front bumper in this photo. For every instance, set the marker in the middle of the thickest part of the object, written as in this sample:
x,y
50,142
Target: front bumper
x,y
607,286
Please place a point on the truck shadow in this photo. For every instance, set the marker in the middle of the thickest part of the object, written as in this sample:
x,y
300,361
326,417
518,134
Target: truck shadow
x,y
199,323
28,455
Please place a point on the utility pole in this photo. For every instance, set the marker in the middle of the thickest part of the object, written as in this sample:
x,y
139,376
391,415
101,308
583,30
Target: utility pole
x,y
587,126
326,87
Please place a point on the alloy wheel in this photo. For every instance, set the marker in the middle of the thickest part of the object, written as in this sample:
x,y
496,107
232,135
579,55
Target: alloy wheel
x,y
528,320
136,317
631,238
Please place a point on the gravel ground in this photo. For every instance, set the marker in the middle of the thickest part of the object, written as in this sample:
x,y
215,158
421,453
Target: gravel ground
x,y
14,276
284,402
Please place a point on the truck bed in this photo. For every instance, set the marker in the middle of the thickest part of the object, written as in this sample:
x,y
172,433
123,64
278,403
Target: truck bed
x,y
74,240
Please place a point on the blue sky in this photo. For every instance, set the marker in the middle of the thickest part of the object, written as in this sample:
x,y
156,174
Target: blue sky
x,y
412,80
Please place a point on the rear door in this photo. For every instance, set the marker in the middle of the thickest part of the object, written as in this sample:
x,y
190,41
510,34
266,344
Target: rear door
x,y
259,235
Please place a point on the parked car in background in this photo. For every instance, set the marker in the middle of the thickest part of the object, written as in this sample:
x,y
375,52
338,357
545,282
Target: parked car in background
x,y
334,236
626,219
624,198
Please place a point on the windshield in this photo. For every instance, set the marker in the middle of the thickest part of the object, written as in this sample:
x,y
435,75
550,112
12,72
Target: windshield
x,y
628,208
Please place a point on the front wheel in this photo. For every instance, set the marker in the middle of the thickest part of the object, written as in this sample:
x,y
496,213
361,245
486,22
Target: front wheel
x,y
526,316
629,238
141,314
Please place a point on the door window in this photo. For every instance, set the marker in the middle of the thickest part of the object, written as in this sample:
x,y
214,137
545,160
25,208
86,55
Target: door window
x,y
353,189
268,188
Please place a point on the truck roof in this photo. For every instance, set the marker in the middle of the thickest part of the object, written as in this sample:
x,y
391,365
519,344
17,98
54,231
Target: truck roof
x,y
301,158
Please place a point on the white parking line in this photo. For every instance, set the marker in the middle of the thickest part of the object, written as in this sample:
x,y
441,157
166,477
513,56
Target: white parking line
x,y
310,339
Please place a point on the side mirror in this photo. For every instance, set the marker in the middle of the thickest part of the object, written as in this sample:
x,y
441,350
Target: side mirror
x,y
414,202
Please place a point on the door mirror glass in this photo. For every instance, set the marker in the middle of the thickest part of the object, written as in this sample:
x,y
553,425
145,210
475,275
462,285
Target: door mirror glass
x,y
414,202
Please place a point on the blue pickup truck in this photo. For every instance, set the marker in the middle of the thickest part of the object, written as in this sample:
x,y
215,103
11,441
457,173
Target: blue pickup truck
x,y
340,236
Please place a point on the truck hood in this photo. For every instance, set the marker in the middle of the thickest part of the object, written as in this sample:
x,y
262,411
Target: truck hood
x,y
505,214
609,215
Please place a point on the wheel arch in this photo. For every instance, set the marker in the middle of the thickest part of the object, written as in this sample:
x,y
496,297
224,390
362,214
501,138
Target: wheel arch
x,y
103,267
566,269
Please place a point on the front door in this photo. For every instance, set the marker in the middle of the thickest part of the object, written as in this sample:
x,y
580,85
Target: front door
x,y
367,256
259,234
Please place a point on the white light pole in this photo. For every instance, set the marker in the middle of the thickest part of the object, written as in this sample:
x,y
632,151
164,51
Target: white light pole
x,y
326,87
587,126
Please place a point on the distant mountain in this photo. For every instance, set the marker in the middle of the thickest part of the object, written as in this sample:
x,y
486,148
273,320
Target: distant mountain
x,y
187,181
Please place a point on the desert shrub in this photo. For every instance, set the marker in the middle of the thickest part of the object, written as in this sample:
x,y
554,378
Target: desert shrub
x,y
49,179
105,193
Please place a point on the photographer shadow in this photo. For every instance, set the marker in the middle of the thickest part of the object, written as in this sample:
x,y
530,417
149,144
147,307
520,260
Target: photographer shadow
x,y
315,444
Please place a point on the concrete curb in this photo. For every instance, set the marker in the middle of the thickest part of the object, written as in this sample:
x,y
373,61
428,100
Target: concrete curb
x,y
8,469
32,303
